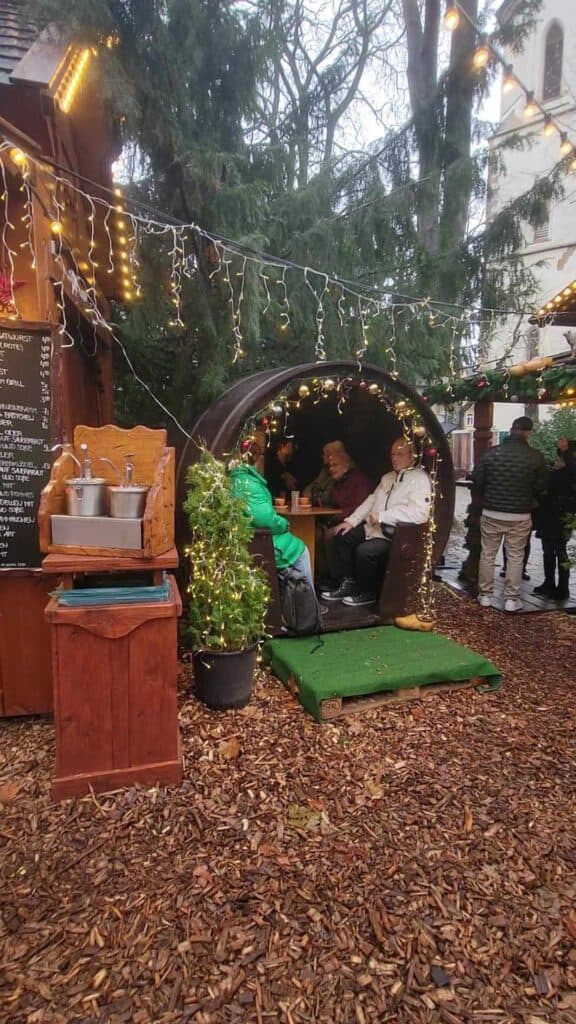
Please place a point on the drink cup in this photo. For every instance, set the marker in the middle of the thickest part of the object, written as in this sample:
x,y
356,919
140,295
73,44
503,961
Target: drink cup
x,y
294,500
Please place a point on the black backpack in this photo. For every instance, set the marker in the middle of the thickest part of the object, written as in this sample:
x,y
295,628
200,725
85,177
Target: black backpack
x,y
300,607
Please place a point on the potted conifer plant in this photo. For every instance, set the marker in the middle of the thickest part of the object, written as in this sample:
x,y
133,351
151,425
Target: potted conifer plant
x,y
228,594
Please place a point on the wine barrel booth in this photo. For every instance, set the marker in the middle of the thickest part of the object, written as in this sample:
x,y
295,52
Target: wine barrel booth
x,y
365,408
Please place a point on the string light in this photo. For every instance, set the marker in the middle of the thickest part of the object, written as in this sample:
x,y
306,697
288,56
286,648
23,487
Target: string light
x,y
530,106
66,92
482,54
451,18
122,251
18,157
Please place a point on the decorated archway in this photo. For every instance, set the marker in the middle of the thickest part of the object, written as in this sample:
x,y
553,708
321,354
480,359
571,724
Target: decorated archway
x,y
362,405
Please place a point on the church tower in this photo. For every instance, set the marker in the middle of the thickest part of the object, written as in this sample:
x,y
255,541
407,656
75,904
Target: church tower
x,y
547,68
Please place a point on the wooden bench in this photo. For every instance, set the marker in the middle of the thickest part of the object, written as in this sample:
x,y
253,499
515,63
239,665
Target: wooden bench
x,y
399,594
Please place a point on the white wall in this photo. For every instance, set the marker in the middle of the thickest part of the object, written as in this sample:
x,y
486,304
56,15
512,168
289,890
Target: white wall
x,y
553,259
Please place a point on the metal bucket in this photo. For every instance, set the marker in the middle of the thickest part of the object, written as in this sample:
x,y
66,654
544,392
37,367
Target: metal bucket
x,y
127,502
86,497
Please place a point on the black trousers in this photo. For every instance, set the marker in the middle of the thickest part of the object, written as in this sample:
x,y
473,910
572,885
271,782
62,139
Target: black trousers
x,y
365,560
554,553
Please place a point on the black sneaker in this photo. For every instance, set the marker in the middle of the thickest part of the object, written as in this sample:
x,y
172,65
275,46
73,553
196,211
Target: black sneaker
x,y
344,589
356,600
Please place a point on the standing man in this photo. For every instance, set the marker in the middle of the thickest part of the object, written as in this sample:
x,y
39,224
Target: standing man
x,y
510,477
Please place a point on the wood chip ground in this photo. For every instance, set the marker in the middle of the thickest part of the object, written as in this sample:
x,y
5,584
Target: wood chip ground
x,y
416,864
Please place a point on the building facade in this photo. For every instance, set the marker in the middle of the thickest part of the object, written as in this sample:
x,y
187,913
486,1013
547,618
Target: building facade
x,y
547,67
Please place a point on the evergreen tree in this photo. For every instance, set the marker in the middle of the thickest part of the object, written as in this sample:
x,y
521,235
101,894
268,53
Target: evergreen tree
x,y
238,116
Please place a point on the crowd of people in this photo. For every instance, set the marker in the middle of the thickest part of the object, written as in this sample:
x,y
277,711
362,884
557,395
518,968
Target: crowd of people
x,y
520,493
354,543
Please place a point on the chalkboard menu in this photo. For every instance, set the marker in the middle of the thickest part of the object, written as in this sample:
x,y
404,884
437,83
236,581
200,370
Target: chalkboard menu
x,y
24,439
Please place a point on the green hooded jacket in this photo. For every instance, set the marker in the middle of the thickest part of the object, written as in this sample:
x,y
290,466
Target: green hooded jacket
x,y
249,485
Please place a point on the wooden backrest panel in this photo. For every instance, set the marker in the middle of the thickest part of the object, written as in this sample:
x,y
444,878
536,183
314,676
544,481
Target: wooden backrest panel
x,y
115,443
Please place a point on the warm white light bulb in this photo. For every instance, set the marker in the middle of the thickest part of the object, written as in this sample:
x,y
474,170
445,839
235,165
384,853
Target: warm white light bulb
x,y
531,107
451,19
481,56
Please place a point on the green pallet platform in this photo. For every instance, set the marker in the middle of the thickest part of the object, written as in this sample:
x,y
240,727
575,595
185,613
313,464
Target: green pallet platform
x,y
347,672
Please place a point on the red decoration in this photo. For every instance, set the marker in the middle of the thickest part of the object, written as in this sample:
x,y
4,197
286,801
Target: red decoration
x,y
7,289
431,452
481,383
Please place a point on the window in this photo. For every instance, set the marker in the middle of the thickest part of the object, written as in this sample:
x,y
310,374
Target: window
x,y
553,62
469,419
542,232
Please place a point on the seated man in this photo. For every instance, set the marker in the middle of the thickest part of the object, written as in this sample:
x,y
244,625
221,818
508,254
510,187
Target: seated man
x,y
362,542
320,487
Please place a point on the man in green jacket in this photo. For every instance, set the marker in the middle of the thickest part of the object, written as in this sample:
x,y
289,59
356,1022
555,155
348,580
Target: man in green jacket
x,y
247,483
510,477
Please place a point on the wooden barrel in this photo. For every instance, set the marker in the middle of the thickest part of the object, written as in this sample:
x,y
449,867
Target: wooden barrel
x,y
364,423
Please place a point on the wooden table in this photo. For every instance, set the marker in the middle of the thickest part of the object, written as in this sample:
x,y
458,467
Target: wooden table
x,y
303,525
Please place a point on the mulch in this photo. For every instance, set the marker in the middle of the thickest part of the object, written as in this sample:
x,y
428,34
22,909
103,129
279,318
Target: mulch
x,y
416,864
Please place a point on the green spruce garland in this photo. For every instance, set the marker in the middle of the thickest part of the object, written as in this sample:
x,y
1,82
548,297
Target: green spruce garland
x,y
228,594
555,384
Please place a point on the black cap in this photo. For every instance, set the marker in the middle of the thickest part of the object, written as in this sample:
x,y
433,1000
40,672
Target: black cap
x,y
522,423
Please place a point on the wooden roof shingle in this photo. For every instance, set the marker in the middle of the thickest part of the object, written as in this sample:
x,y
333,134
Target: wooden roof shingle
x,y
17,34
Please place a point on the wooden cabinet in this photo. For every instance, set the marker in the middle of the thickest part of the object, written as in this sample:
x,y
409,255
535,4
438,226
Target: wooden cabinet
x,y
25,670
115,709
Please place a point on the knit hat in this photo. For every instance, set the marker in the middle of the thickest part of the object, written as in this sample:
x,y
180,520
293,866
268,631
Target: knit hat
x,y
522,423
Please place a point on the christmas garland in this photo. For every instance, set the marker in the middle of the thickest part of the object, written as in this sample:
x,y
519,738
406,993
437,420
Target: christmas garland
x,y
527,382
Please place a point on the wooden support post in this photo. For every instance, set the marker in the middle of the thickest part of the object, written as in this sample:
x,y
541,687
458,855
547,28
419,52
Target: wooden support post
x,y
483,420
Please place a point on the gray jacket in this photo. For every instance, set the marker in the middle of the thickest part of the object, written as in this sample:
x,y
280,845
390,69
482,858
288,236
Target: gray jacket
x,y
511,476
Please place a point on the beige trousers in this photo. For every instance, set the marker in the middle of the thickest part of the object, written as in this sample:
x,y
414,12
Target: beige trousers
x,y
515,534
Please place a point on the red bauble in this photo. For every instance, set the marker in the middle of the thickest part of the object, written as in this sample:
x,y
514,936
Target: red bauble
x,y
481,383
431,452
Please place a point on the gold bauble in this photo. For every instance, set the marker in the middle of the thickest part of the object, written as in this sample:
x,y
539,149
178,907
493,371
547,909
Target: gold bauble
x,y
328,385
419,431
373,389
303,391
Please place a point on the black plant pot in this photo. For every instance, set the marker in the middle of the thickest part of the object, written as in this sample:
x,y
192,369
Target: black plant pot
x,y
223,679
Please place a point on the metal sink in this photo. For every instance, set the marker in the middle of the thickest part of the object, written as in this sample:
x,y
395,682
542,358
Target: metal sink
x,y
96,532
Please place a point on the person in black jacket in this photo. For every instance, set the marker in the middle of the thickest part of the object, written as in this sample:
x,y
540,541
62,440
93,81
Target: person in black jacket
x,y
554,506
510,477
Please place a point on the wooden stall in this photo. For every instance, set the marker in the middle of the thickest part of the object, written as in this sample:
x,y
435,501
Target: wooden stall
x,y
55,364
360,407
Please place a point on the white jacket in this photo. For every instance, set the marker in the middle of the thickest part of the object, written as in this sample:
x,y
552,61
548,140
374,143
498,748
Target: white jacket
x,y
399,498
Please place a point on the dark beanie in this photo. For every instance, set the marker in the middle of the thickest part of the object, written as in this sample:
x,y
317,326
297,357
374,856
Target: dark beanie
x,y
522,423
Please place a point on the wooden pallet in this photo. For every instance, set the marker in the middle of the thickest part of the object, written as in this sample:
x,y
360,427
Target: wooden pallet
x,y
339,707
